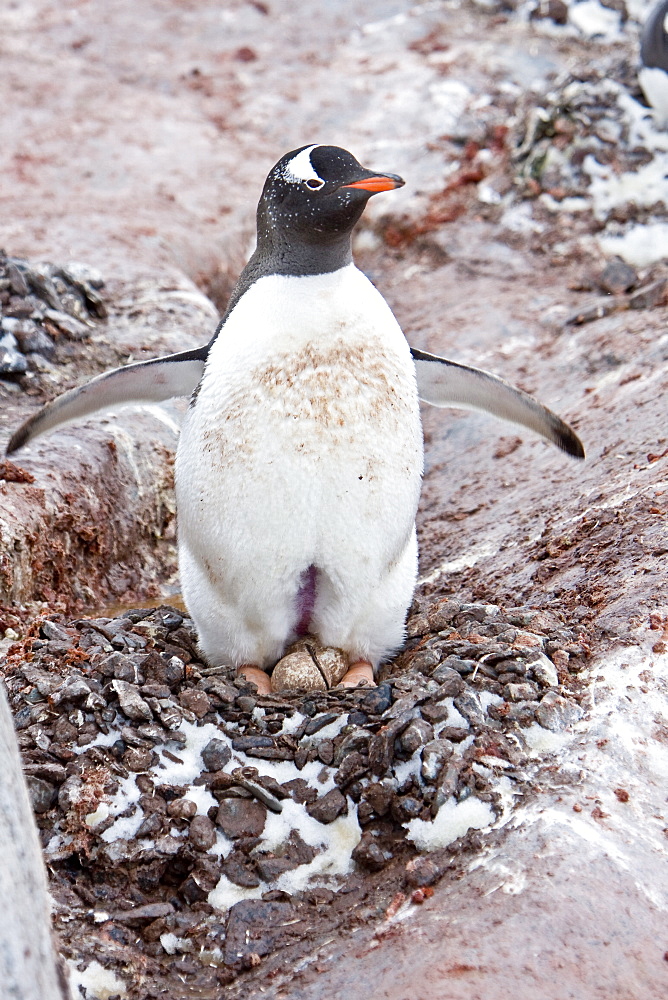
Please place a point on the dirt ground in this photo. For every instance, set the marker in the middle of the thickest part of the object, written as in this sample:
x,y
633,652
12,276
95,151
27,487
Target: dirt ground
x,y
137,140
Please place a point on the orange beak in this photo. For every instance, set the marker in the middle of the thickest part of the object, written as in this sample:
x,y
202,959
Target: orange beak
x,y
380,182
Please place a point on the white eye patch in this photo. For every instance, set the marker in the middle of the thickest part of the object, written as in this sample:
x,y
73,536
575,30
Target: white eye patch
x,y
300,168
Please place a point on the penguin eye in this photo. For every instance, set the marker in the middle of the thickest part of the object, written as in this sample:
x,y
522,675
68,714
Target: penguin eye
x,y
315,183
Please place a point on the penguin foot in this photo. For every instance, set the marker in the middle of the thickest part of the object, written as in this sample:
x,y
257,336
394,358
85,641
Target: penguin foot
x,y
259,678
359,674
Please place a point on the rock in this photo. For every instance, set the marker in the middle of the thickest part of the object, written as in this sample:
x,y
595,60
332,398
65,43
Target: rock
x,y
378,700
202,833
520,692
319,722
650,296
300,790
237,870
424,660
151,826
381,745
441,616
51,630
326,751
252,742
215,755
139,914
270,869
297,672
257,927
195,701
182,809
379,796
405,807
220,691
326,808
42,794
556,713
369,855
131,702
467,704
617,276
70,792
241,817
435,711
450,681
74,689
138,760
435,755
416,733
456,663
543,669
351,769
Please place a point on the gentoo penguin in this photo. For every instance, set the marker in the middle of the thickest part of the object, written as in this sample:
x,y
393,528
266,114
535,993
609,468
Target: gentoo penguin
x,y
653,76
299,464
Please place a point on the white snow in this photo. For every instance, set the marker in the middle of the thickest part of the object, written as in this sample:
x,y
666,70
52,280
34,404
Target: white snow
x,y
640,245
94,982
453,820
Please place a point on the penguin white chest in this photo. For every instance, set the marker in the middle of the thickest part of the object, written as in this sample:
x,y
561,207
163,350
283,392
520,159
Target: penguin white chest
x,y
303,448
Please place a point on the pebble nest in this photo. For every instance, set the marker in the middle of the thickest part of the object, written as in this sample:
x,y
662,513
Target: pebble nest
x,y
180,812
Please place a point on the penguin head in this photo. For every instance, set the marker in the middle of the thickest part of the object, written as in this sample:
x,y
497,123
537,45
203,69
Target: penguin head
x,y
314,196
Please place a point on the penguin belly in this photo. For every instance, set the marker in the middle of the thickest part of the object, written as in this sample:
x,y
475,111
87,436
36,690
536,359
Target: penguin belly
x,y
298,474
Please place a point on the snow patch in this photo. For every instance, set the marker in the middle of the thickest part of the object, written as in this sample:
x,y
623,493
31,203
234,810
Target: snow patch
x,y
453,820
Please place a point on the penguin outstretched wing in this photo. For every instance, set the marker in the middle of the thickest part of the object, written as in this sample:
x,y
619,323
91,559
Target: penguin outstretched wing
x,y
446,383
653,73
144,382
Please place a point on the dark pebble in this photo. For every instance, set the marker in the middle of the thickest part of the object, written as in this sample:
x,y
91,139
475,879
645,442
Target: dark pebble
x,y
379,796
353,766
215,755
241,817
237,870
252,742
300,790
405,807
270,869
315,725
328,807
369,855
202,833
137,760
378,700
42,794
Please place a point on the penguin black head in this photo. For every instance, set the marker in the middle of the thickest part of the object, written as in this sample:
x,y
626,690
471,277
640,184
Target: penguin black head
x,y
311,200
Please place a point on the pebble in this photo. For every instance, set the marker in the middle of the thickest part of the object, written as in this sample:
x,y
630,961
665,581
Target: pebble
x,y
369,855
435,754
215,755
326,808
202,833
131,702
43,795
241,817
557,713
543,669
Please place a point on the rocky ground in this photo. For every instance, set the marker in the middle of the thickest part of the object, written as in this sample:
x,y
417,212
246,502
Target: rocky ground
x,y
491,820
193,827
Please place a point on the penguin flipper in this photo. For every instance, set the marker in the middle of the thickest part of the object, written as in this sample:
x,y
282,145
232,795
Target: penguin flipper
x,y
146,381
446,383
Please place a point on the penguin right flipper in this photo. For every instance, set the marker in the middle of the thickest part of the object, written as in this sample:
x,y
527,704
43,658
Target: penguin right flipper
x,y
653,39
446,383
146,381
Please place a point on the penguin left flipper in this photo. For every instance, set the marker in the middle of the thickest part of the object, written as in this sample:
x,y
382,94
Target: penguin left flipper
x,y
144,382
446,383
